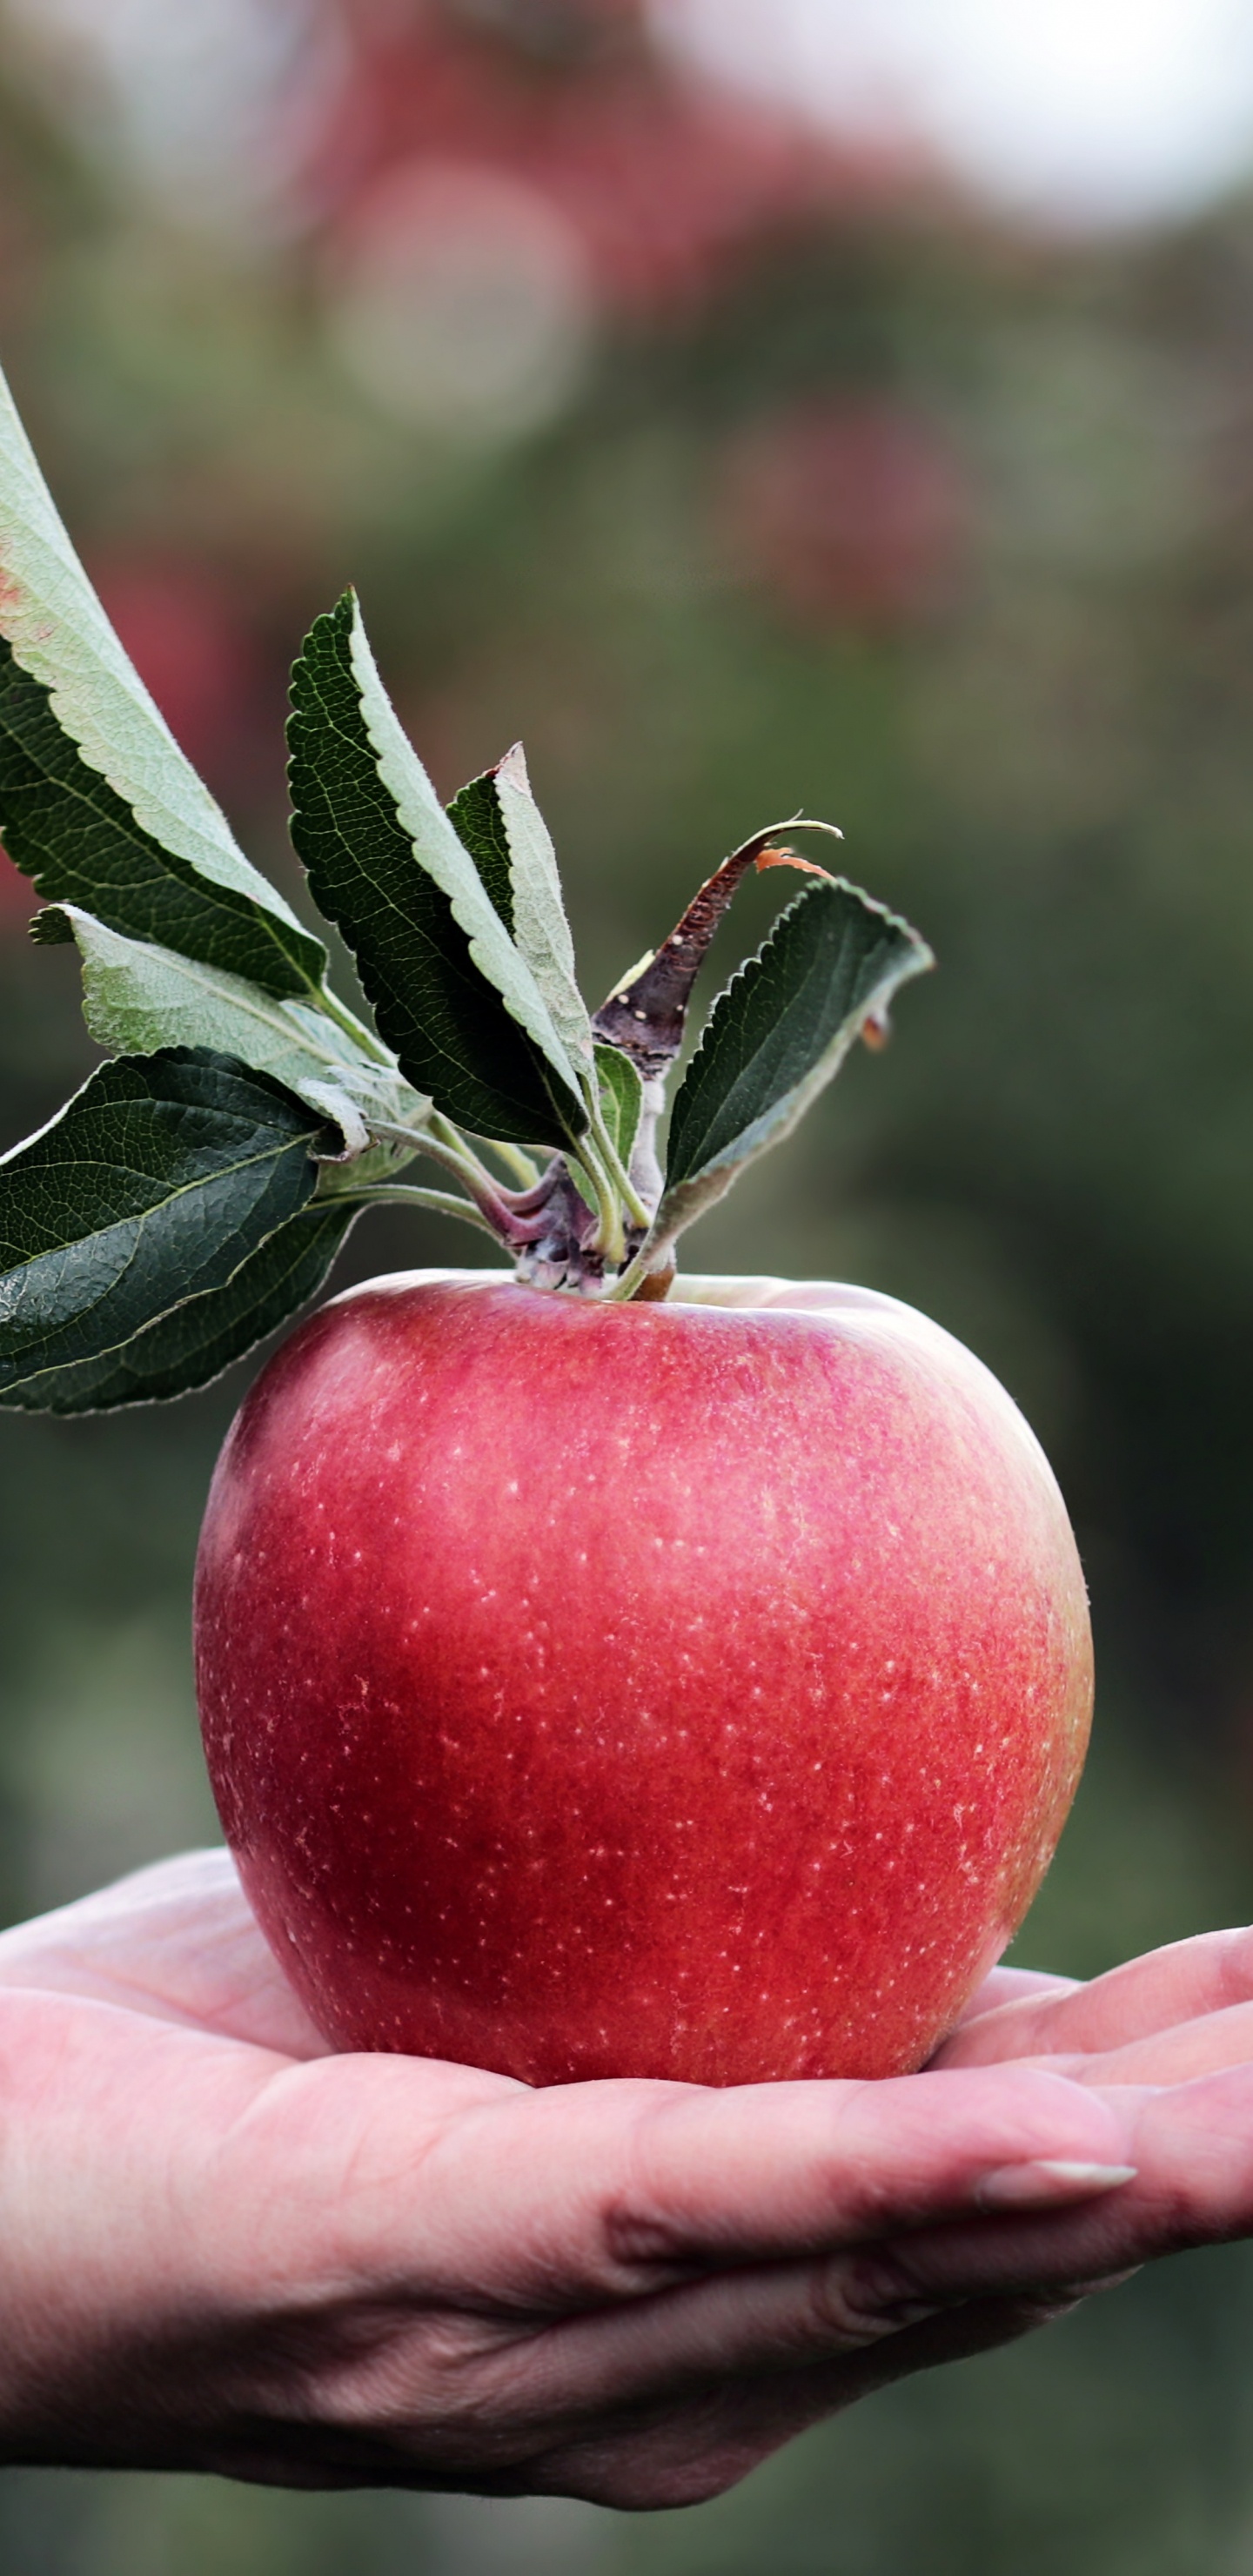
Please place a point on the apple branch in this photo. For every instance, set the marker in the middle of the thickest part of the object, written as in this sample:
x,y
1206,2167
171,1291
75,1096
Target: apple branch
x,y
228,1047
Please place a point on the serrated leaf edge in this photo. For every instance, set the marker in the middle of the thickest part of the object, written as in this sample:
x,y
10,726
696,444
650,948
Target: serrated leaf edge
x,y
541,930
111,1350
239,1163
438,848
203,1376
689,1198
60,636
342,1086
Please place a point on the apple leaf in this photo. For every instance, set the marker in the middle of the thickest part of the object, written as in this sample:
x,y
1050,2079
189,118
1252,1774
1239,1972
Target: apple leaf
x,y
497,818
621,1099
777,1035
450,991
540,927
478,822
439,850
192,1343
164,1220
138,998
153,1185
97,802
646,1013
67,828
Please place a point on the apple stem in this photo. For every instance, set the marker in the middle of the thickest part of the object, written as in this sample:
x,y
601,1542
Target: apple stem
x,y
444,1144
454,1144
646,1173
519,1219
528,1219
624,1191
520,1164
408,1194
608,1243
593,1220
652,1260
655,1284
329,1003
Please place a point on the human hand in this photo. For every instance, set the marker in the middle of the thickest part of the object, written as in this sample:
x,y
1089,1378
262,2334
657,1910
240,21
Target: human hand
x,y
1178,2013
1173,2031
225,2248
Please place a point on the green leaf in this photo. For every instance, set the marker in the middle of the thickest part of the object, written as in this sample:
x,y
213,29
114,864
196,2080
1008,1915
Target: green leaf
x,y
500,824
777,1035
539,924
621,1099
194,1342
97,802
437,848
478,822
450,991
138,998
646,1012
153,1185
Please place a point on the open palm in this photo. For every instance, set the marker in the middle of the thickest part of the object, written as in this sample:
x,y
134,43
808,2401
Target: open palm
x,y
227,2248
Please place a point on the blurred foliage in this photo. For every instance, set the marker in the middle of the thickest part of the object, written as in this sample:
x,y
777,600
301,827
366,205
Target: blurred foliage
x,y
949,536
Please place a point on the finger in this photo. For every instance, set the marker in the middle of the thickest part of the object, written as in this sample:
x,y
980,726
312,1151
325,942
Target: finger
x,y
1218,2040
1179,1983
1011,1986
474,2393
777,2320
605,2191
1196,2188
676,2445
685,2454
1193,2149
178,1942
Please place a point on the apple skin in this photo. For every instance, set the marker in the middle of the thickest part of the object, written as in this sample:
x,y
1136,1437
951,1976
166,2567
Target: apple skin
x,y
689,1690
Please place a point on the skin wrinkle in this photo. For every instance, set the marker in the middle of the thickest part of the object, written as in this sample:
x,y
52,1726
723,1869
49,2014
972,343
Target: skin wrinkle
x,y
848,2302
275,2299
352,2234
846,2172
567,2366
483,2438
649,2241
1209,2170
161,1912
1200,1976
839,2299
865,2318
119,1985
852,2301
548,2287
638,2231
664,2471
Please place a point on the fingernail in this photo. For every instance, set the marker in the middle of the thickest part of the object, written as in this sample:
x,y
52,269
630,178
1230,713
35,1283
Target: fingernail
x,y
1046,2180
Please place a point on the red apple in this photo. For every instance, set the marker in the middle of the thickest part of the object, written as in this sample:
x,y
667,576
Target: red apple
x,y
690,1689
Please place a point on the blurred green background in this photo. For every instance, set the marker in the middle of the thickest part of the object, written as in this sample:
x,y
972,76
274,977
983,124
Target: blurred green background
x,y
738,467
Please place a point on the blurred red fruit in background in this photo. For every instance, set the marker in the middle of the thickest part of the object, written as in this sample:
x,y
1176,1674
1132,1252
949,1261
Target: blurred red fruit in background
x,y
201,665
18,899
852,511
661,179
188,646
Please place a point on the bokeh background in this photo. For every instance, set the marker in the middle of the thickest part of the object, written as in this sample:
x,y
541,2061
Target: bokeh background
x,y
753,403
